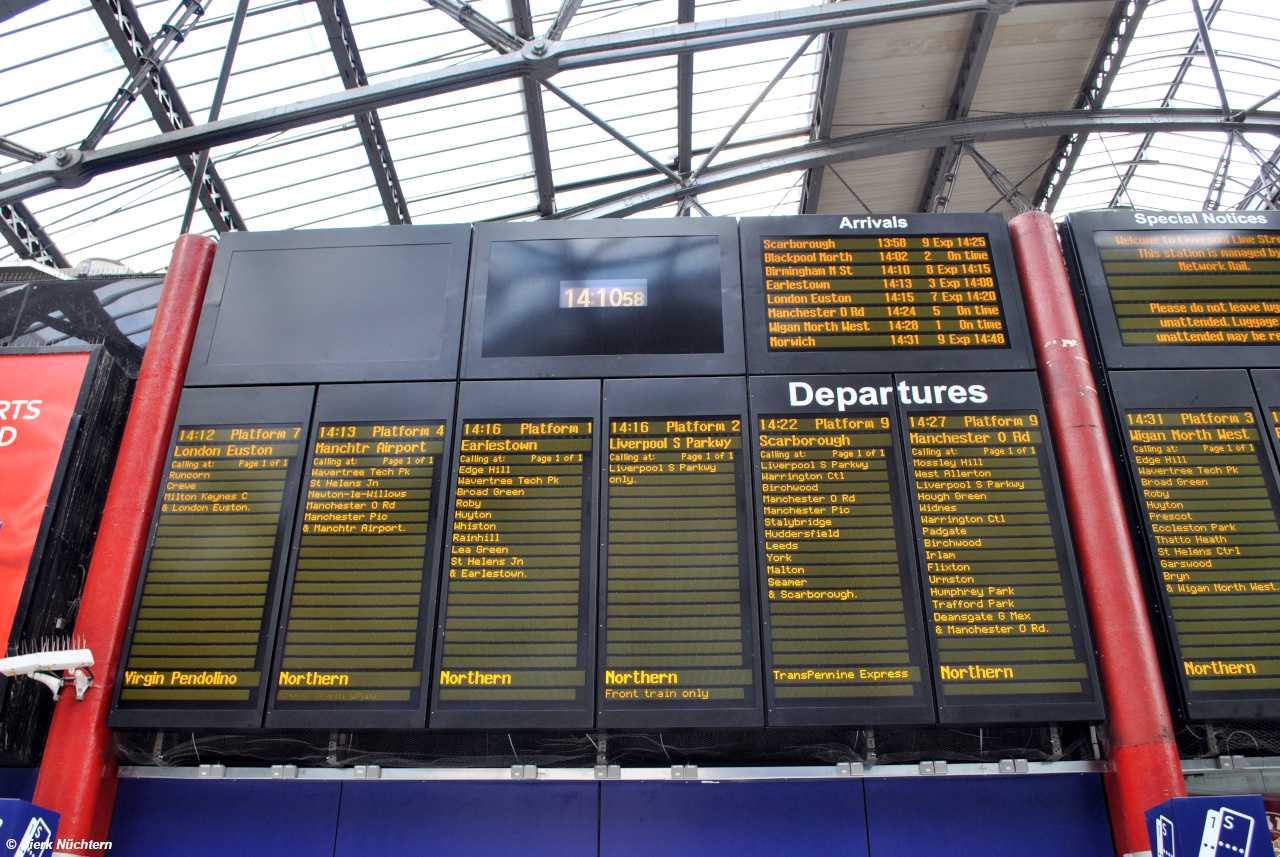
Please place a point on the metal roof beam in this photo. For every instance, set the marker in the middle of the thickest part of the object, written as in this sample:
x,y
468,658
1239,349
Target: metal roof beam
x,y
535,116
1009,191
1093,92
824,110
685,12
1188,59
342,44
167,109
19,152
489,32
72,168
946,161
568,9
27,238
892,141
9,8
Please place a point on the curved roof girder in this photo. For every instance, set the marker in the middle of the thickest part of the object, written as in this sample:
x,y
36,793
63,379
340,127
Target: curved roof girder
x,y
69,168
872,144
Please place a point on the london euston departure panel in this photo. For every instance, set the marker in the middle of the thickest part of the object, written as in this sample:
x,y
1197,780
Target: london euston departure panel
x,y
894,284
516,596
678,643
1208,500
1002,595
842,632
358,612
199,645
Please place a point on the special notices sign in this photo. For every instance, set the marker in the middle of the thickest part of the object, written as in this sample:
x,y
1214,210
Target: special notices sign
x,y
38,395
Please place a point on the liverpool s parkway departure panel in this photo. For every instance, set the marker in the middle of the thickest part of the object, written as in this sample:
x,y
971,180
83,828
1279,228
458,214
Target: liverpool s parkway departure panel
x,y
827,293
1003,602
359,604
677,594
842,631
1196,289
517,602
1205,484
199,646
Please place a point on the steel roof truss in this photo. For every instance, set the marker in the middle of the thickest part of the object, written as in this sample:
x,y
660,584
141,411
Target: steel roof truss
x,y
535,117
824,109
27,238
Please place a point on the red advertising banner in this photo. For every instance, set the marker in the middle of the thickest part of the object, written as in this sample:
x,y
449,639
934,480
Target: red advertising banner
x,y
38,394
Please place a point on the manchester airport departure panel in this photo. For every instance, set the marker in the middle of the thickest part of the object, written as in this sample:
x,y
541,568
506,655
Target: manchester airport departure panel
x,y
1002,595
355,626
515,601
1208,502
842,631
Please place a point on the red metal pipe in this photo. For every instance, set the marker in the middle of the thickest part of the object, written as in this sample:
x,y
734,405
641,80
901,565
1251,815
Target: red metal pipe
x,y
1143,765
78,774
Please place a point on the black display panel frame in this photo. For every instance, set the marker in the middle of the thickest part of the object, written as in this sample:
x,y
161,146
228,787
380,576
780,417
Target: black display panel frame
x,y
729,361
676,398
518,400
1085,267
356,404
1183,390
760,360
374,357
1007,391
772,396
212,408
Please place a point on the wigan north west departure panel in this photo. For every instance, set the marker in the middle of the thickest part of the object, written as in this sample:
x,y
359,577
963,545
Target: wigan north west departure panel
x,y
884,292
1194,286
1208,500
517,593
356,626
842,631
678,617
201,627
1002,600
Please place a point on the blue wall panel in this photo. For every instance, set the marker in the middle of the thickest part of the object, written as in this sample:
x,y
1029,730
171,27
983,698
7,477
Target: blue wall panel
x,y
18,783
462,819
818,819
1044,816
206,818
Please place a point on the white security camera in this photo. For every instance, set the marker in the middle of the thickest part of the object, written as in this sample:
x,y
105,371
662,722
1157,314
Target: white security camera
x,y
48,667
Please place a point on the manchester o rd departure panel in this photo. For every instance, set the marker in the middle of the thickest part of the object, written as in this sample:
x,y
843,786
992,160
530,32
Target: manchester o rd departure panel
x,y
1193,287
837,629
675,616
995,595
1214,532
205,592
890,292
513,594
353,632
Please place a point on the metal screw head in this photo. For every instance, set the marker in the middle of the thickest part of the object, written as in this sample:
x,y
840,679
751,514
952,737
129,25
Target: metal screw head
x,y
538,46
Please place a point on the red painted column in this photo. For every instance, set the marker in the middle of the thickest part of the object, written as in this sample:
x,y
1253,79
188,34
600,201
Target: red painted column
x,y
78,774
1142,758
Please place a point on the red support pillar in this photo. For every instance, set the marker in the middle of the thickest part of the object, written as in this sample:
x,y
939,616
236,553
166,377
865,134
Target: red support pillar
x,y
78,774
1142,758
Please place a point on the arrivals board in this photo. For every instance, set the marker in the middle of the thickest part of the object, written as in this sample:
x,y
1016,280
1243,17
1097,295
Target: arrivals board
x,y
1180,289
517,614
199,646
842,632
359,604
1200,467
604,298
1003,604
908,292
677,592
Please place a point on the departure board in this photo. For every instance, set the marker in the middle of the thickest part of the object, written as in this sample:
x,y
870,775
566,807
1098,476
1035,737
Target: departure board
x,y
199,645
678,643
1002,595
359,605
842,631
1191,289
821,289
1206,490
515,615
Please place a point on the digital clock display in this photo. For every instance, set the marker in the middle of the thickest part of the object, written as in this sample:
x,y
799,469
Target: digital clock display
x,y
589,294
